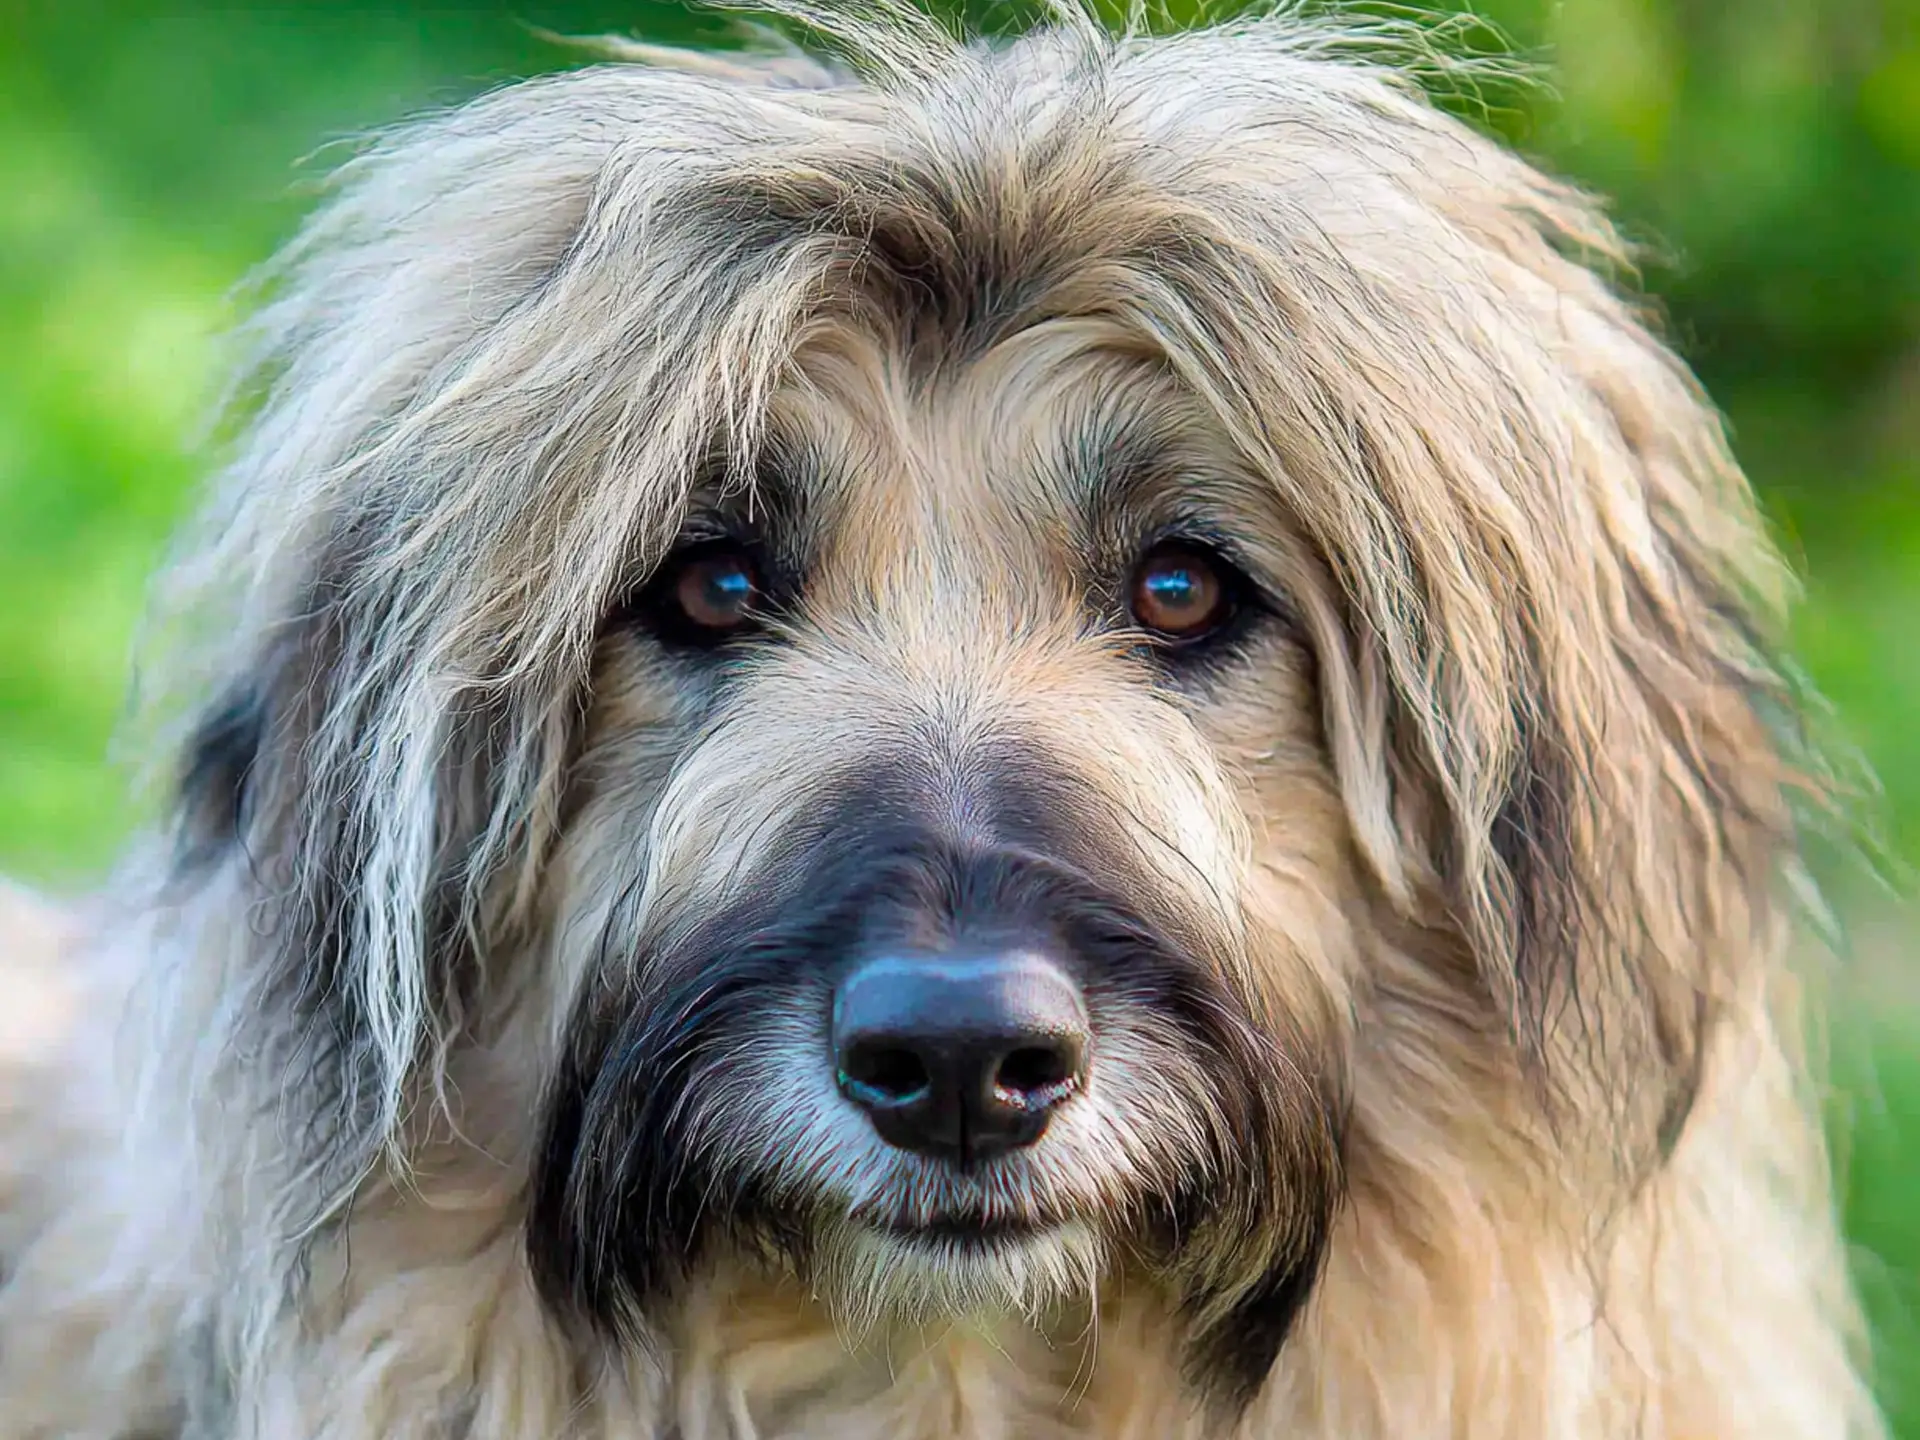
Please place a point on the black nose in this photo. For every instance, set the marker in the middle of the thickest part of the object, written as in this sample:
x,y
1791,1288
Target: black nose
x,y
961,1059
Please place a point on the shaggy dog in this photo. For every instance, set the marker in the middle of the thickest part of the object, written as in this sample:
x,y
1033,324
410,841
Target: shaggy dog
x,y
1070,738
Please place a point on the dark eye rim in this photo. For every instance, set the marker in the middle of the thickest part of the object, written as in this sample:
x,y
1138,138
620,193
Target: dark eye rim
x,y
1240,598
654,608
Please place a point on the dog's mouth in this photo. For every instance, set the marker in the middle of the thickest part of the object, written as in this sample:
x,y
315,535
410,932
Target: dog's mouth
x,y
961,1232
958,1228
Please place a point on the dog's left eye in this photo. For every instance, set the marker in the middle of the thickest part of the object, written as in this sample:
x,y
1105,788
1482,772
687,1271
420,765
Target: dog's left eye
x,y
1181,592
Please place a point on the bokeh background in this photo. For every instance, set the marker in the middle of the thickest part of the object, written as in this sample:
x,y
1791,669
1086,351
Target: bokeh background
x,y
1767,151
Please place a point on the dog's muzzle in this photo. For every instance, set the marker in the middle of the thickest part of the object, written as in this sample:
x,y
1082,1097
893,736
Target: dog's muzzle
x,y
958,1056
936,1074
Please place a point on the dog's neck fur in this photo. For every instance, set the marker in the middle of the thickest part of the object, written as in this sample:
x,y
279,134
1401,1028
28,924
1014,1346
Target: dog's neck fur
x,y
761,1359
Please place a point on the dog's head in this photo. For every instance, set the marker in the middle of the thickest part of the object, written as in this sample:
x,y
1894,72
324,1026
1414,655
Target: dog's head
x,y
975,678
956,901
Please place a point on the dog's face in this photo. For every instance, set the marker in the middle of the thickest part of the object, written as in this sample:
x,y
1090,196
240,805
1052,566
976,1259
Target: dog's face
x,y
957,874
980,686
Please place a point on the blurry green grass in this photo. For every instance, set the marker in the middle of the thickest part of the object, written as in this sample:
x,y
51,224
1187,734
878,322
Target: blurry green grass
x,y
147,160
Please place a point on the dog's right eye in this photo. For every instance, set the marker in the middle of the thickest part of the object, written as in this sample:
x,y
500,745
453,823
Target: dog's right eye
x,y
702,595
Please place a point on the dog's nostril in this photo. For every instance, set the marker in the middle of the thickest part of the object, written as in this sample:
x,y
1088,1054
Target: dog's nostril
x,y
889,1073
1035,1073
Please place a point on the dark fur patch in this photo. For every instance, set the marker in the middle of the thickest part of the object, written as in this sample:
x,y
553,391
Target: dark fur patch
x,y
1231,1362
965,249
1532,837
216,773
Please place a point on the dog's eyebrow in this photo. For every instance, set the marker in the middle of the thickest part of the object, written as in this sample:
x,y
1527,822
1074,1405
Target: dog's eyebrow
x,y
1121,473
773,483
774,500
1109,460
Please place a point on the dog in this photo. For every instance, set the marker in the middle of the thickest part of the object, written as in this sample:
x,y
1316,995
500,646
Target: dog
x,y
1070,737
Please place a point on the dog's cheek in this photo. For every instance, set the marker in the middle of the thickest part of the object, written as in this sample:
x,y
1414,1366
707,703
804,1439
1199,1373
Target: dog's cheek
x,y
614,1199
1229,1364
1245,1180
653,1150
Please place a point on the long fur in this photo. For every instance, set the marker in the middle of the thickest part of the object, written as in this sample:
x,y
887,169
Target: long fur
x,y
445,1066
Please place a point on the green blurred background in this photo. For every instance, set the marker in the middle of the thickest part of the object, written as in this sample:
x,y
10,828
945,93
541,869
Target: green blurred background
x,y
1768,151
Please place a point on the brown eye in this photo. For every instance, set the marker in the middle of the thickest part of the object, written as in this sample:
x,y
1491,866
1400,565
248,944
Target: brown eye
x,y
1180,592
700,597
715,590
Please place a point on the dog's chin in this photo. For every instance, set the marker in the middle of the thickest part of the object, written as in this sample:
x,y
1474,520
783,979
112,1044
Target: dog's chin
x,y
882,1273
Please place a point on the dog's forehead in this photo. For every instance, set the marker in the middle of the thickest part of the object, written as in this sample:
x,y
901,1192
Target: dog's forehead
x,y
1056,444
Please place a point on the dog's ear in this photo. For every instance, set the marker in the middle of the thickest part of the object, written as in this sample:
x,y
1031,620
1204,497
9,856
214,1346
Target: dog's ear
x,y
484,380
1549,600
373,832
